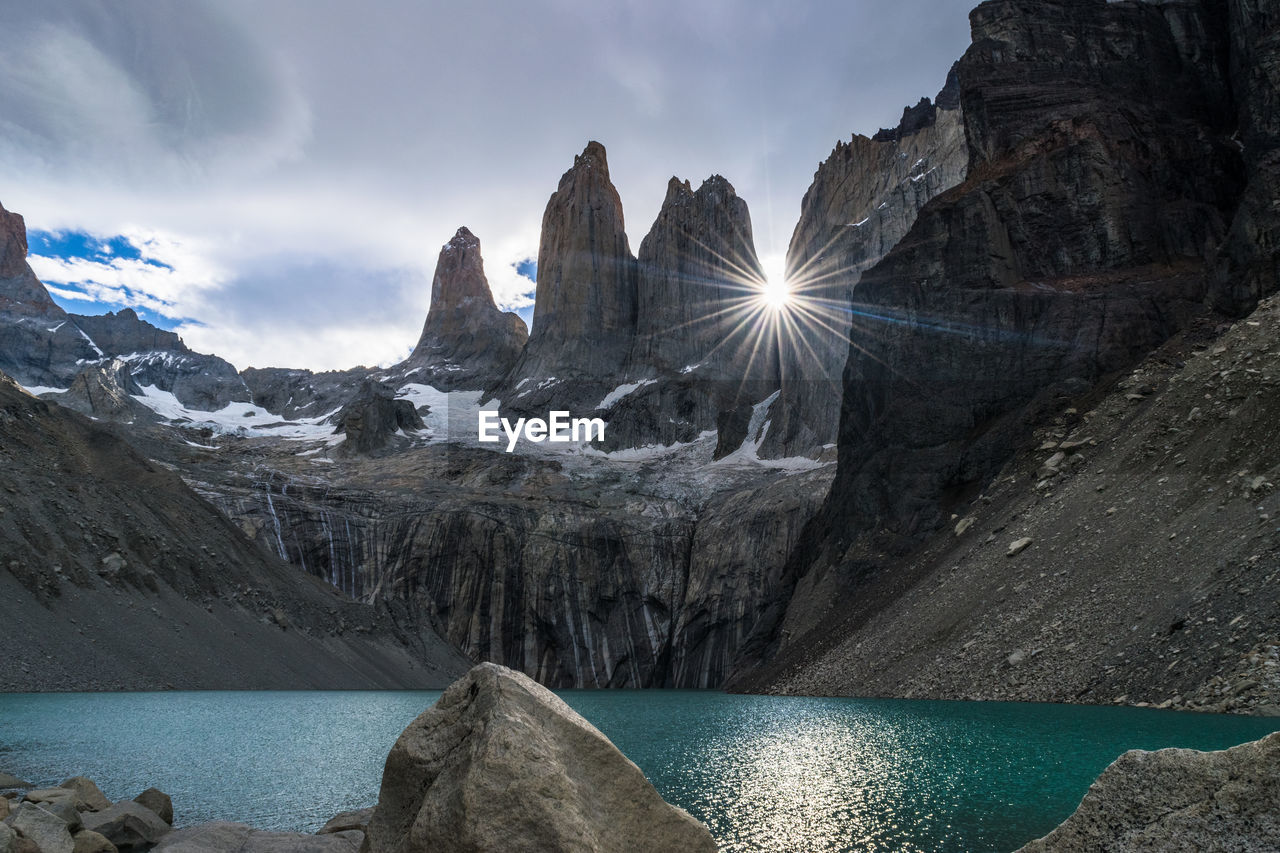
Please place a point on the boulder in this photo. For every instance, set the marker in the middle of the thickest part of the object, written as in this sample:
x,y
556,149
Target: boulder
x,y
25,845
48,830
7,781
127,824
88,841
225,837
1178,799
52,795
344,821
88,792
7,838
500,763
159,802
66,807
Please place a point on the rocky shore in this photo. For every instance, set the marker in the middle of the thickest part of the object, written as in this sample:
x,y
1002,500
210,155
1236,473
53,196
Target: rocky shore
x,y
500,763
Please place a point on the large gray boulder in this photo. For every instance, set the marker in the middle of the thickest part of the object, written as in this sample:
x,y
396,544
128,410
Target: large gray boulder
x,y
8,781
500,763
39,824
1178,799
7,838
127,824
357,819
159,802
88,792
225,837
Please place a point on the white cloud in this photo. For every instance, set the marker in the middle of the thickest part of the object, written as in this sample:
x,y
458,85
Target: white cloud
x,y
309,157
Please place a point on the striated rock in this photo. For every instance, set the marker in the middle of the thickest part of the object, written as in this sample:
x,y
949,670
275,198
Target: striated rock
x,y
1178,799
88,841
43,826
373,418
157,801
357,819
501,763
466,341
863,200
127,824
585,308
226,837
87,792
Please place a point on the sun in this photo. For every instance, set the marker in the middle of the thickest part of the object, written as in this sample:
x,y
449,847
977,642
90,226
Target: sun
x,y
775,290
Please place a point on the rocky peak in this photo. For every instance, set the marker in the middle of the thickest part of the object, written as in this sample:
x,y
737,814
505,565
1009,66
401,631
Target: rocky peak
x,y
373,418
466,341
585,309
698,264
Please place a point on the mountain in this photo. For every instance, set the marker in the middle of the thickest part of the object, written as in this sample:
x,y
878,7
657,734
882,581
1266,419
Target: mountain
x,y
117,576
1094,224
466,340
586,293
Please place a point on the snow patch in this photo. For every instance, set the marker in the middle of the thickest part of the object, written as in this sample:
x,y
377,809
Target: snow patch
x,y
243,419
622,391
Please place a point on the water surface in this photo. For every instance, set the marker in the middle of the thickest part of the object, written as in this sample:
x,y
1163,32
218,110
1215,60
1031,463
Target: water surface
x,y
765,773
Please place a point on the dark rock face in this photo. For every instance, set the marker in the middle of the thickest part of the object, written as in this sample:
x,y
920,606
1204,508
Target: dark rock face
x,y
699,285
1101,182
585,309
1250,265
863,200
105,391
466,341
372,419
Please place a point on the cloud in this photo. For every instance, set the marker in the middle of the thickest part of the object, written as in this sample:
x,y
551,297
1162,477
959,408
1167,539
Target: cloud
x,y
325,150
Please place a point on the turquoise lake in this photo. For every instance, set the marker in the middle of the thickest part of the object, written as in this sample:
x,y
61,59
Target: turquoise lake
x,y
764,773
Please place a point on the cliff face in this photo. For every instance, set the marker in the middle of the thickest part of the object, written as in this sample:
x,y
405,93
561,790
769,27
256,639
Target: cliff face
x,y
585,308
1101,184
700,281
559,570
466,340
863,199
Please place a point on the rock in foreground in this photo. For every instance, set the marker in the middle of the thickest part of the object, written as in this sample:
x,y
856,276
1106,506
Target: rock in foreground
x,y
500,763
1178,799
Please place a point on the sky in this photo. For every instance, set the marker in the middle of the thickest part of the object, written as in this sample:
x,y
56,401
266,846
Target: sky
x,y
274,178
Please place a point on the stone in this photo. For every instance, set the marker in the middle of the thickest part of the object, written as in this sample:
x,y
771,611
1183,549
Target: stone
x,y
87,791
466,341
55,795
1017,546
4,808
7,838
356,819
159,802
373,417
501,763
963,525
88,841
226,837
48,830
25,845
127,824
1178,799
8,781
1017,657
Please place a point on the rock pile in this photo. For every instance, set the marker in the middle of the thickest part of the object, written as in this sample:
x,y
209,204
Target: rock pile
x,y
76,817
